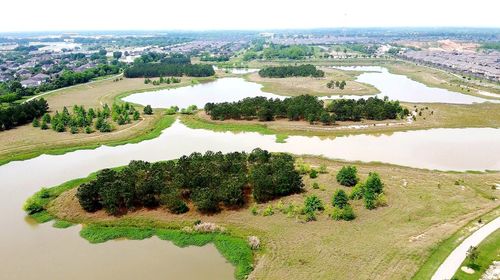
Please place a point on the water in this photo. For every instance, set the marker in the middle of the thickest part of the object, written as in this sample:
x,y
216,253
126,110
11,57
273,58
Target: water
x,y
221,90
402,88
396,87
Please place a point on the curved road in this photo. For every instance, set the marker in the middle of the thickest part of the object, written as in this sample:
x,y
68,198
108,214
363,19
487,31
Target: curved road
x,y
455,259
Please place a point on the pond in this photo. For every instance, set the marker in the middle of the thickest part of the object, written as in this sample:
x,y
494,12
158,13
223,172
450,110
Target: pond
x,y
396,87
402,88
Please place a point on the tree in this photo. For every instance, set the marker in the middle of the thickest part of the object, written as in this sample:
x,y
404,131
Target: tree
x,y
473,254
340,199
117,55
347,176
312,203
205,200
35,122
148,110
88,196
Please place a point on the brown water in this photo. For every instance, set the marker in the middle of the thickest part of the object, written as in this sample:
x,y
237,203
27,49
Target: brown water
x,y
29,251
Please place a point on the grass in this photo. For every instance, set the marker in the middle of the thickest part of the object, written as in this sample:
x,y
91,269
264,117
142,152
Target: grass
x,y
314,86
441,251
489,251
435,116
26,142
390,242
235,250
159,124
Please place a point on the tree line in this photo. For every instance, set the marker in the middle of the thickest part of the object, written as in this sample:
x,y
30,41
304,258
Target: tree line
x,y
306,70
150,70
209,181
306,107
86,120
19,114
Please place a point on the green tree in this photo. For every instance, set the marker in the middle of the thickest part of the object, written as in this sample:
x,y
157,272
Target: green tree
x,y
148,110
340,199
348,176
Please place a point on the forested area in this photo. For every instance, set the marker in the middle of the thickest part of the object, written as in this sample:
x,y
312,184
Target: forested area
x,y
306,70
287,52
306,107
209,181
150,70
220,58
20,114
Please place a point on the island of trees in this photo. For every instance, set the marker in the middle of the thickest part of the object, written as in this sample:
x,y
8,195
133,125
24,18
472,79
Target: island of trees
x,y
19,114
209,182
306,70
306,107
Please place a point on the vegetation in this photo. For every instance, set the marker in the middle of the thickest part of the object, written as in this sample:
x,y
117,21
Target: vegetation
x,y
207,180
491,46
15,115
306,107
372,108
481,257
348,176
342,210
210,58
149,70
287,52
83,120
332,84
168,80
306,70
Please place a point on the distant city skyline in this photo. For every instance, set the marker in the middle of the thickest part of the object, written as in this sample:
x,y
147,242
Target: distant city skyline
x,y
25,16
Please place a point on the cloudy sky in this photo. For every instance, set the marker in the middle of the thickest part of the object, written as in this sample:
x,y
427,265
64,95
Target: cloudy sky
x,y
49,15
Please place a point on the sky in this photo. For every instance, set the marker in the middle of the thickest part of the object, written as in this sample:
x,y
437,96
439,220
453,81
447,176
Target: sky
x,y
57,15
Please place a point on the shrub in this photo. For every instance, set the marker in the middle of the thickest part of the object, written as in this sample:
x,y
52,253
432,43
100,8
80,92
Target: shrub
x,y
340,199
268,211
374,183
148,110
35,122
254,210
312,203
313,174
315,185
346,214
357,191
323,169
381,200
347,176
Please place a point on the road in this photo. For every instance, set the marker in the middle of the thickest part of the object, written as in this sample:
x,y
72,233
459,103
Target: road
x,y
455,259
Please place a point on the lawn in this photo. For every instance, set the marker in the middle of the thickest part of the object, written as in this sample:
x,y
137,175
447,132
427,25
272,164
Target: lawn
x,y
489,251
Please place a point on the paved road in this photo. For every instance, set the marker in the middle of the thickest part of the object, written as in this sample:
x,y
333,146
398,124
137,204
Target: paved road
x,y
455,259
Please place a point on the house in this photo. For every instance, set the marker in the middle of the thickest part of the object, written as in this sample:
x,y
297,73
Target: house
x,y
40,77
30,83
23,73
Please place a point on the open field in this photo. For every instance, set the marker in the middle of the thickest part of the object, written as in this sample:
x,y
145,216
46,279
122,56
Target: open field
x,y
489,251
26,141
392,242
429,76
294,86
435,116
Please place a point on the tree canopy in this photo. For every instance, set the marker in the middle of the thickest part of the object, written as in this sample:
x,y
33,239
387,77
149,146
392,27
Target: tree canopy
x,y
306,70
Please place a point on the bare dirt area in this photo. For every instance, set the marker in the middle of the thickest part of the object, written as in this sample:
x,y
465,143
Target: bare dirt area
x,y
294,86
378,244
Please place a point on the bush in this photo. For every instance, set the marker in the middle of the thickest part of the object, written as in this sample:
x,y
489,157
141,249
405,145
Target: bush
x,y
35,122
374,183
323,169
313,174
357,191
381,200
148,110
346,214
312,204
347,176
315,185
268,211
340,199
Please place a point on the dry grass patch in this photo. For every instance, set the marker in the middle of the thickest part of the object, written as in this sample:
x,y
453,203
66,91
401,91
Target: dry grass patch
x,y
294,86
390,242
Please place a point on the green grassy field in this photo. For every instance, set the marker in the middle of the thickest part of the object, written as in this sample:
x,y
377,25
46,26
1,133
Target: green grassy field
x,y
489,251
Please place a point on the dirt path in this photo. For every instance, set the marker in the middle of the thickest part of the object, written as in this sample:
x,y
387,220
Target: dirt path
x,y
457,256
